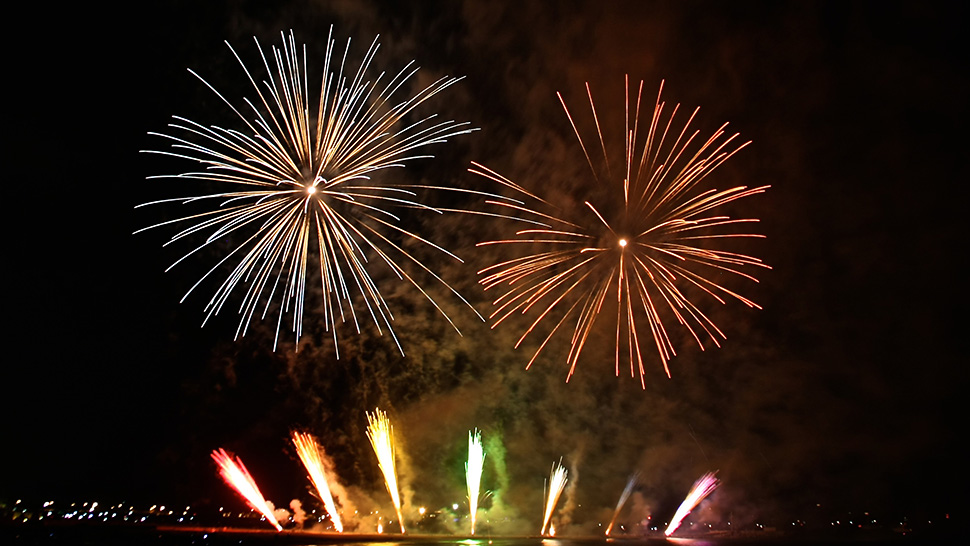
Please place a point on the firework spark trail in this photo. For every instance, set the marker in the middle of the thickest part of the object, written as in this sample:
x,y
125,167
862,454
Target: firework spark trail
x,y
234,472
630,484
381,435
648,248
310,453
703,487
300,173
473,473
557,481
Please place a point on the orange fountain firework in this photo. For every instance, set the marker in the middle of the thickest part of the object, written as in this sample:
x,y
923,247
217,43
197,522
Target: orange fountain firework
x,y
311,455
703,487
646,246
557,481
234,472
381,435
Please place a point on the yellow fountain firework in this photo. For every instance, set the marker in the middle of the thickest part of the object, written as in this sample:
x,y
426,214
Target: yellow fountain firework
x,y
381,435
310,453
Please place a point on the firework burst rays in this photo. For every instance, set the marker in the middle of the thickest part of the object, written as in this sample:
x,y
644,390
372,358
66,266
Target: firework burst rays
x,y
644,249
296,188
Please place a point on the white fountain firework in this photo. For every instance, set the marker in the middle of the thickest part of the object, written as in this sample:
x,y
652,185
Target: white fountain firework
x,y
557,481
473,473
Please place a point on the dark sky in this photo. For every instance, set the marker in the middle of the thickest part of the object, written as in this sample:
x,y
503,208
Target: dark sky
x,y
842,391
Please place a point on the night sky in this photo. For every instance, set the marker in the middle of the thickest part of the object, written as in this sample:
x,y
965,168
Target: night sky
x,y
842,392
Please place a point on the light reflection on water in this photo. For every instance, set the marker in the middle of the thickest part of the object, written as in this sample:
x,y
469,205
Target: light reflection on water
x,y
536,541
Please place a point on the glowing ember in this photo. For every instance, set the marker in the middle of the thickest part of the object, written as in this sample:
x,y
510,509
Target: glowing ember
x,y
630,484
310,453
473,472
381,435
235,474
703,487
557,481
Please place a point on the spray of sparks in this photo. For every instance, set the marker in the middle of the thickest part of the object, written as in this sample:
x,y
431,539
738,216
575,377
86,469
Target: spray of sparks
x,y
234,472
704,486
644,253
557,481
297,188
381,435
630,484
310,454
473,473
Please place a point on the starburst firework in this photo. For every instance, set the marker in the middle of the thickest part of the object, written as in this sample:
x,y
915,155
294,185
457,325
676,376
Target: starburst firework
x,y
644,250
295,187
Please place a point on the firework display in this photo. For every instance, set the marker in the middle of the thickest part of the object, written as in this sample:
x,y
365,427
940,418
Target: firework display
x,y
473,473
310,454
630,484
645,251
381,435
704,486
301,187
234,472
557,481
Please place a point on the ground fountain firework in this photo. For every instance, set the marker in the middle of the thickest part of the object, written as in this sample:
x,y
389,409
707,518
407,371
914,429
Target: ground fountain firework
x,y
381,435
557,481
473,473
703,487
630,484
310,454
234,472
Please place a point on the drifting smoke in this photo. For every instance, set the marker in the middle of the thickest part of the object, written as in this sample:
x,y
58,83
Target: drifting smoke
x,y
299,516
281,514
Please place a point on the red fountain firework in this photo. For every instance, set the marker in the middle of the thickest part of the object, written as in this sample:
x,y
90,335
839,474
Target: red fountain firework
x,y
630,484
704,486
310,453
557,481
234,472
381,435
645,247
